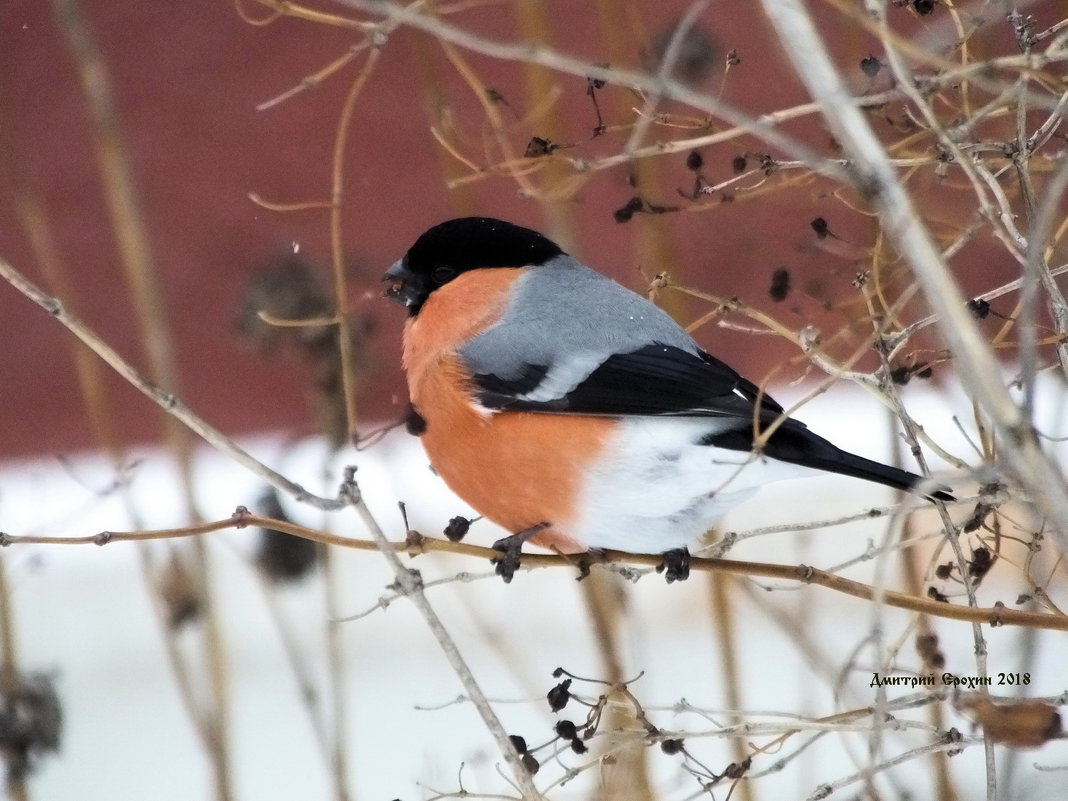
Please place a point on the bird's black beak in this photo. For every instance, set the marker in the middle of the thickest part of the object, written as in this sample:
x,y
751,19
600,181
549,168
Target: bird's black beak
x,y
403,284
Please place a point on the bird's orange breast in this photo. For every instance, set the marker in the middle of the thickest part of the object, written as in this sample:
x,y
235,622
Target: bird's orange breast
x,y
516,468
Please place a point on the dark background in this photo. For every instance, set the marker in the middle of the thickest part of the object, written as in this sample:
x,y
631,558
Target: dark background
x,y
186,80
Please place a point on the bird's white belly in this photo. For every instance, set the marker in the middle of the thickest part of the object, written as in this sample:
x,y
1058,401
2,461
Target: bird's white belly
x,y
655,488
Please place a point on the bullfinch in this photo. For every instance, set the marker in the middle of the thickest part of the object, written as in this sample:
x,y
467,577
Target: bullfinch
x,y
576,413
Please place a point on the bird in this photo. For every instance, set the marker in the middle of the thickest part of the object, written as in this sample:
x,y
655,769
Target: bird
x,y
577,414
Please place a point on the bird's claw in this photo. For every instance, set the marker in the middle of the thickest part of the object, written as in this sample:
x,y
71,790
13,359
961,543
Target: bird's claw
x,y
511,550
675,565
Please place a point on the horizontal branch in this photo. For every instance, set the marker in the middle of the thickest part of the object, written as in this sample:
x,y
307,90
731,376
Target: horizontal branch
x,y
417,544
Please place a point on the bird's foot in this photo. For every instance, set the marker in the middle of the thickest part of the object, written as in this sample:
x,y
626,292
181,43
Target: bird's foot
x,y
511,549
587,559
675,565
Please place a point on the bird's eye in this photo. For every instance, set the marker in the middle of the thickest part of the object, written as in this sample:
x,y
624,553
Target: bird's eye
x,y
443,273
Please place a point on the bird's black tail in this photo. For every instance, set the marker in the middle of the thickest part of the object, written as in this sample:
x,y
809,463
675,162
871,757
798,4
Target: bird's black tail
x,y
792,442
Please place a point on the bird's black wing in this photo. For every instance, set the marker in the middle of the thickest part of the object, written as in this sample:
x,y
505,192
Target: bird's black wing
x,y
653,380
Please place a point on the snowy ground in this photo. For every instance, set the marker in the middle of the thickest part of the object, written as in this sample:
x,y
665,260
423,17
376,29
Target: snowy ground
x,y
84,614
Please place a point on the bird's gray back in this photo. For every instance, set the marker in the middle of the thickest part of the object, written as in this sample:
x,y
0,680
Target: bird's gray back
x,y
567,317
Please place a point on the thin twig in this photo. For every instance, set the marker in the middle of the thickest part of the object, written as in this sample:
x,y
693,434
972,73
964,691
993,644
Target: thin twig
x,y
337,246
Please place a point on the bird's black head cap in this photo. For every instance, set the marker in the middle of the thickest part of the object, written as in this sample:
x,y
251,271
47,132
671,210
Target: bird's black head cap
x,y
458,246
